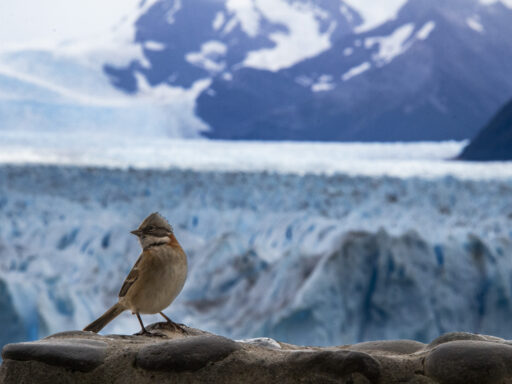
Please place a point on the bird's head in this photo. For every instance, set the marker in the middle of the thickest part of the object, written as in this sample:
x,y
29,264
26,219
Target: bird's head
x,y
154,229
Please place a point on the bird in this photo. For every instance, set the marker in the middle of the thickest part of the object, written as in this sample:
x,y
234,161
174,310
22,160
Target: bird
x,y
155,280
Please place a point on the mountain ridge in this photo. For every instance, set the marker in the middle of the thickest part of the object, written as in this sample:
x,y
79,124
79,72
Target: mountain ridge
x,y
431,73
328,70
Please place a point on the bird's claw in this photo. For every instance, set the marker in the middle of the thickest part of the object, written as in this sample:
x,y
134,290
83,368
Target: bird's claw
x,y
178,327
145,332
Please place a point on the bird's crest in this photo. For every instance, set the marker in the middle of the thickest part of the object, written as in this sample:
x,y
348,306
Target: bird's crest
x,y
156,220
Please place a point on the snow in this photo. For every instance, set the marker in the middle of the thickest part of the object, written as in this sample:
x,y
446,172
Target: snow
x,y
324,83
426,30
355,71
474,24
375,13
401,160
305,81
246,14
506,3
345,11
230,25
348,51
303,38
391,46
64,88
322,87
218,21
208,56
154,45
174,8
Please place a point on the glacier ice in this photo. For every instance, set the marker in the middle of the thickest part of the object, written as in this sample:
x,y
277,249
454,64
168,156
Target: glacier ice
x,y
101,148
313,259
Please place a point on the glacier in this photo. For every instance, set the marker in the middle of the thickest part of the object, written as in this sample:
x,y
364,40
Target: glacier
x,y
318,259
149,151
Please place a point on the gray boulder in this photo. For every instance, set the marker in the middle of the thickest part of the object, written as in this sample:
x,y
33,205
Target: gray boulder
x,y
192,355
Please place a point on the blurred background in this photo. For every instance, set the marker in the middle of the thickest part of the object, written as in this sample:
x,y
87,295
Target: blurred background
x,y
336,170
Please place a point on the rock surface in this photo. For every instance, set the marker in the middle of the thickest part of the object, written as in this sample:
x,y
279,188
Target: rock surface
x,y
197,356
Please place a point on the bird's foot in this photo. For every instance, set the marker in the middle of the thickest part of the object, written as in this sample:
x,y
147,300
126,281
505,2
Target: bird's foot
x,y
157,334
177,327
145,332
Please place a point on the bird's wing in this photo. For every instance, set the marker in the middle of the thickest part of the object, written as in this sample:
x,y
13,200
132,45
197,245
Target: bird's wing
x,y
131,278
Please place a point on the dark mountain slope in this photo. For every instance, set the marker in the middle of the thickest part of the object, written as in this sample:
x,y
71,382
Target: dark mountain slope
x,y
494,142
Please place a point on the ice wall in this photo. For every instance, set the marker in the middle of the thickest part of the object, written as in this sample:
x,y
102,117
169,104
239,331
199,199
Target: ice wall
x,y
311,260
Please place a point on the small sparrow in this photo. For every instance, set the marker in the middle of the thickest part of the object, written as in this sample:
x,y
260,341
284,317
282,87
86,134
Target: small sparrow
x,y
155,280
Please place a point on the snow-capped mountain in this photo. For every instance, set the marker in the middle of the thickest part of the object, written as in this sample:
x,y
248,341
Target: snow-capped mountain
x,y
331,69
272,69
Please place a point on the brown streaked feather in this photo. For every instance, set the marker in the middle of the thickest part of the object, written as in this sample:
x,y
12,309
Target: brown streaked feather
x,y
131,278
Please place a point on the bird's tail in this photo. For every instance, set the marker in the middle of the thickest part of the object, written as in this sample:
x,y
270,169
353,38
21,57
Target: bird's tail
x,y
107,317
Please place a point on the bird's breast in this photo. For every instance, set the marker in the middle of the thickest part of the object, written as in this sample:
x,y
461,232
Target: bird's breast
x,y
164,280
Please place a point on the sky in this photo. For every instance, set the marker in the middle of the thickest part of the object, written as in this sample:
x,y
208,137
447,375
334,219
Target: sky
x,y
26,22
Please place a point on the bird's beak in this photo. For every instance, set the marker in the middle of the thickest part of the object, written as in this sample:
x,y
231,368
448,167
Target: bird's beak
x,y
136,232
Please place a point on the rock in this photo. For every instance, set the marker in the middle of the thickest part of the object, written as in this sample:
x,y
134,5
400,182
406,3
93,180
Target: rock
x,y
399,347
188,354
470,362
336,363
196,356
77,354
454,336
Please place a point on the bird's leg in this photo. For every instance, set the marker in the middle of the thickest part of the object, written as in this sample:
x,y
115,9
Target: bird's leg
x,y
143,331
166,318
175,325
